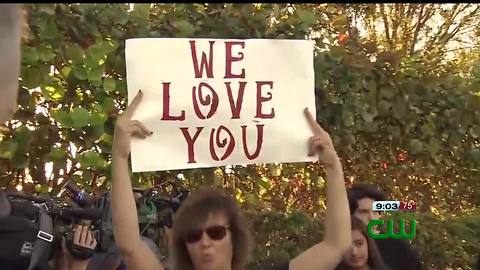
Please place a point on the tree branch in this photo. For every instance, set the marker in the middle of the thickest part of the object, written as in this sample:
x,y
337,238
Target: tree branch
x,y
395,23
450,35
386,25
418,26
442,29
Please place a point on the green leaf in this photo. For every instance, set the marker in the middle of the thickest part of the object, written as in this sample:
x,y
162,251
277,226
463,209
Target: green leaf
x,y
23,137
120,17
109,85
474,132
80,117
97,84
185,28
20,161
95,74
433,146
88,159
386,92
74,53
474,154
46,54
107,138
98,118
96,52
122,87
108,104
428,128
91,159
48,9
368,117
337,52
416,146
306,16
65,71
62,117
49,30
30,55
80,72
348,119
31,77
8,149
384,106
97,131
117,33
57,154
110,46
140,13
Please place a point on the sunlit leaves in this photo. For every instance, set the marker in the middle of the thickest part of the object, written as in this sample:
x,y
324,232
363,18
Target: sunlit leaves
x,y
53,92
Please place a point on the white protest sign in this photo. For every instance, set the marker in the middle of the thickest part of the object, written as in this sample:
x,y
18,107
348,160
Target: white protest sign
x,y
216,102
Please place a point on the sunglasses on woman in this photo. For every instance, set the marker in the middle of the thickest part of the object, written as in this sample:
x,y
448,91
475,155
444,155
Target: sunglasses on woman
x,y
215,233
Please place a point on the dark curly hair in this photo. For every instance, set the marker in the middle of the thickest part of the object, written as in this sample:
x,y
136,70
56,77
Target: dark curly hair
x,y
193,214
363,190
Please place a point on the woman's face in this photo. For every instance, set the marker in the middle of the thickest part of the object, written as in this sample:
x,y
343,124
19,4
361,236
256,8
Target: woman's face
x,y
358,254
211,249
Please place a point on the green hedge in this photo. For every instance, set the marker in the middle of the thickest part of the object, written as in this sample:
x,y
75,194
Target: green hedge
x,y
442,244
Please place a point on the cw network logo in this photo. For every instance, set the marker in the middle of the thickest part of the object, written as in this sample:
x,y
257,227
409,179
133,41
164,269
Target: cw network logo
x,y
390,232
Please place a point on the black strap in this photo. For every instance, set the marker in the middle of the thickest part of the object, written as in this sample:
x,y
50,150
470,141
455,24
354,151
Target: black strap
x,y
44,241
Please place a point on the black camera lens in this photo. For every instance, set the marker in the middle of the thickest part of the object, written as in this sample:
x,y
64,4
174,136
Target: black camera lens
x,y
80,197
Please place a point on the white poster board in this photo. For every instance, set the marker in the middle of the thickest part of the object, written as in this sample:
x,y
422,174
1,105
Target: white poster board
x,y
216,102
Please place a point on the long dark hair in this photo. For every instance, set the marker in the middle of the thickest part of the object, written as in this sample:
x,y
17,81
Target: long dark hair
x,y
375,261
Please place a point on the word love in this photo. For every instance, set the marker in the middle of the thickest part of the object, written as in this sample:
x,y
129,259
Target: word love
x,y
210,100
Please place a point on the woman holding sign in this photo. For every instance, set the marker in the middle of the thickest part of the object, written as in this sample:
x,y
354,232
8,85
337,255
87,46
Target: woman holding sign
x,y
209,231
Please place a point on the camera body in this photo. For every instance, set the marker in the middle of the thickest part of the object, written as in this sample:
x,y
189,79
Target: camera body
x,y
156,211
79,207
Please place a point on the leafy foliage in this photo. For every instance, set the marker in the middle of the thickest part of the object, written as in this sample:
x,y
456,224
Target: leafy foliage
x,y
405,122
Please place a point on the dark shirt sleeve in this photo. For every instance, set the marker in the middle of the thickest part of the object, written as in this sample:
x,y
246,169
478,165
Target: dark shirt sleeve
x,y
398,254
